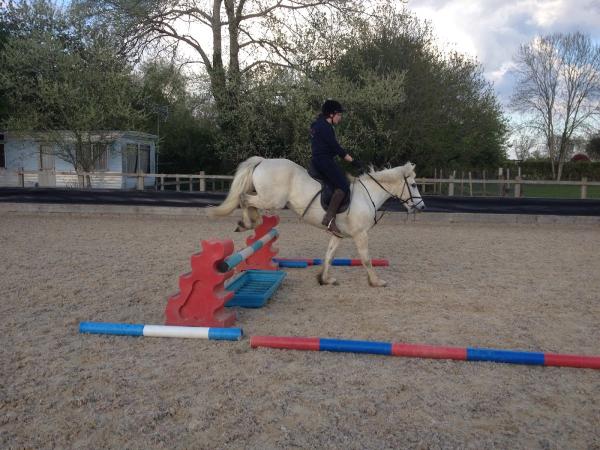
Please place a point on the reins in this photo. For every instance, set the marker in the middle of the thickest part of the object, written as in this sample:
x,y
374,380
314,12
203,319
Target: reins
x,y
403,202
310,203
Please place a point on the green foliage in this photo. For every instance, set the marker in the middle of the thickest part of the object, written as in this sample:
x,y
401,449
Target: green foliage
x,y
59,74
542,170
449,115
593,147
271,118
372,101
187,142
405,101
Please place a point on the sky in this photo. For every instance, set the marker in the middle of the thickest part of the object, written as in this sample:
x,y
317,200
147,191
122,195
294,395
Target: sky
x,y
492,30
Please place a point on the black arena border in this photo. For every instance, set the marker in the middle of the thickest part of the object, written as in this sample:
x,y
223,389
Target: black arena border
x,y
435,204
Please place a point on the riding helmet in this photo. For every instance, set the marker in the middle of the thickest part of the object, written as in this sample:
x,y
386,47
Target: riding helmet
x,y
331,107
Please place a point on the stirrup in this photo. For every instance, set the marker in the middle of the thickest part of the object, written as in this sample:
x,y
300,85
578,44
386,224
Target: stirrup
x,y
335,233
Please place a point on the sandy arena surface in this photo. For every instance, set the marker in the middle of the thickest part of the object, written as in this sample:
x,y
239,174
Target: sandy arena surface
x,y
528,287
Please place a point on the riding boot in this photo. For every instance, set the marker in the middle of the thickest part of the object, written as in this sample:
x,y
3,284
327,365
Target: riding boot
x,y
329,218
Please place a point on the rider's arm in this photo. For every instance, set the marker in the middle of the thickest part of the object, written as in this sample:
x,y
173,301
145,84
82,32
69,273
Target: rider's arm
x,y
328,136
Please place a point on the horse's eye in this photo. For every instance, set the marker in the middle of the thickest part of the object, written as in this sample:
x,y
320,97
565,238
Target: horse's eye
x,y
414,185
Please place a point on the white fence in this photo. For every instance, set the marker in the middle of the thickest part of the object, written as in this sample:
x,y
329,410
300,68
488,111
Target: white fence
x,y
201,182
114,180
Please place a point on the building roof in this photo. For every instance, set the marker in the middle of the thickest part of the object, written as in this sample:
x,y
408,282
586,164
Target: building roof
x,y
102,135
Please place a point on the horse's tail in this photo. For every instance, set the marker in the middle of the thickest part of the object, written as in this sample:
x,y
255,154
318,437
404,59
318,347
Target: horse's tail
x,y
242,183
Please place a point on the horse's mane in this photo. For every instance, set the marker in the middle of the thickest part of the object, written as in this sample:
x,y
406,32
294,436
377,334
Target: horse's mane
x,y
389,175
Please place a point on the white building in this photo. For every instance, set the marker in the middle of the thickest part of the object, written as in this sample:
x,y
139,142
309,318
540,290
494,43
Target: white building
x,y
33,153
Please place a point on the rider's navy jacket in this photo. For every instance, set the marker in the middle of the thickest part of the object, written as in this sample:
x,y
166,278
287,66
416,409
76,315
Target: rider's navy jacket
x,y
323,141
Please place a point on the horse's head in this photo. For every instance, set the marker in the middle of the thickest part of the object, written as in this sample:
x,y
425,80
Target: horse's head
x,y
408,191
399,182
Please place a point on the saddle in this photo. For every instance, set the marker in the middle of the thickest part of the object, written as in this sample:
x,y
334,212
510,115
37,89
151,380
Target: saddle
x,y
327,190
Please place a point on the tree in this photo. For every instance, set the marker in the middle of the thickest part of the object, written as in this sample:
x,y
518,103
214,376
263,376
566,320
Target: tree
x,y
443,113
232,38
405,101
523,142
65,78
187,139
593,146
558,88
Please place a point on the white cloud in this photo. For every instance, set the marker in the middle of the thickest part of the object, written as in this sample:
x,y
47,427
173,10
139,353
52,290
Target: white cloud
x,y
492,30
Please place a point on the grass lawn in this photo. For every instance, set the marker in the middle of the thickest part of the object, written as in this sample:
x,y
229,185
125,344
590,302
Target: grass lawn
x,y
529,190
548,191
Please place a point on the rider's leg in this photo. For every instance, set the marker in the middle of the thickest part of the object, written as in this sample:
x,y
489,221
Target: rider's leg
x,y
335,177
334,204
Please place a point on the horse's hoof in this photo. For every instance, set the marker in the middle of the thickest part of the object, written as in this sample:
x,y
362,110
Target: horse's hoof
x,y
241,227
378,283
330,281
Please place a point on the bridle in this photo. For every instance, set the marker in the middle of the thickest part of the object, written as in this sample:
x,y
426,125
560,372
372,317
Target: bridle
x,y
403,202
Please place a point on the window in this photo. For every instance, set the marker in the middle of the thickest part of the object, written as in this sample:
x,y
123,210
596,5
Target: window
x,y
100,155
2,157
144,152
46,158
130,159
137,158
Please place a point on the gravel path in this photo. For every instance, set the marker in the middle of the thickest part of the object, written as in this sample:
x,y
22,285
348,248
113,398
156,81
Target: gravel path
x,y
528,287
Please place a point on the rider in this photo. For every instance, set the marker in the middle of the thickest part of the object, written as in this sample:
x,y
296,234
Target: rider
x,y
324,149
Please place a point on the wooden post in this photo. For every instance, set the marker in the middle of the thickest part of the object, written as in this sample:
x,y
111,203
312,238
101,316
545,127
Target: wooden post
x,y
140,181
191,186
470,184
500,185
583,187
517,186
177,183
202,182
162,182
484,188
451,185
434,180
21,176
462,183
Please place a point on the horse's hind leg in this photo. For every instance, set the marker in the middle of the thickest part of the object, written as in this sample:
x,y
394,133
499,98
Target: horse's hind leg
x,y
323,276
362,245
250,215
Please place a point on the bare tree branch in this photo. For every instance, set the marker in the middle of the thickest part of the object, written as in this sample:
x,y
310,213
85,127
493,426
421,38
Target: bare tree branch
x,y
559,86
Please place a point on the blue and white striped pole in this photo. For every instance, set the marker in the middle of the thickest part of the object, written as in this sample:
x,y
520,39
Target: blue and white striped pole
x,y
235,258
126,329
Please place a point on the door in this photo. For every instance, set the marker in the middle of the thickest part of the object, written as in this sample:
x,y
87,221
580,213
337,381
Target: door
x,y
46,176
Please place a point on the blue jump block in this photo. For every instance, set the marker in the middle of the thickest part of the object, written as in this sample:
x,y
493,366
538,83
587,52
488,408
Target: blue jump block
x,y
253,288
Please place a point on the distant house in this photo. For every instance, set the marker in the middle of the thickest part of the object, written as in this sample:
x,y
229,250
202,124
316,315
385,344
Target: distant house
x,y
580,157
35,154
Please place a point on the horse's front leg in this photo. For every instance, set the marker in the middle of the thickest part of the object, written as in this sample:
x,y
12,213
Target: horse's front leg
x,y
362,245
323,276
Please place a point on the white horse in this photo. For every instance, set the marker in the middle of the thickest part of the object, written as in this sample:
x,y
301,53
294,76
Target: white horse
x,y
275,183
